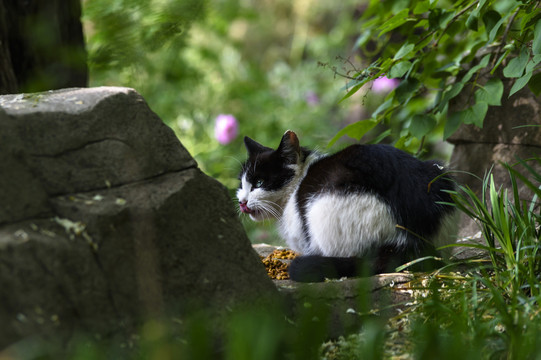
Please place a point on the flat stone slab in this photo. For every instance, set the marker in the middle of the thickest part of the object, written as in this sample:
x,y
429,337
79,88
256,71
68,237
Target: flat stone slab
x,y
346,299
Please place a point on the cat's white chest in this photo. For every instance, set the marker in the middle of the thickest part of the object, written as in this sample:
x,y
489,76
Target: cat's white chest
x,y
338,225
291,228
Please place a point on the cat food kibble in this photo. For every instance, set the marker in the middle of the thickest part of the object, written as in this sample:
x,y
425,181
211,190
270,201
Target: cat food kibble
x,y
277,269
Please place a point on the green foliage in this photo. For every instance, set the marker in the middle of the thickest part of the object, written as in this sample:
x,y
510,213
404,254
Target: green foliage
x,y
193,60
440,50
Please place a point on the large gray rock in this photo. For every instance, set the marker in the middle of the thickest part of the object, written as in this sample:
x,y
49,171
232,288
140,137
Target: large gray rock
x,y
106,219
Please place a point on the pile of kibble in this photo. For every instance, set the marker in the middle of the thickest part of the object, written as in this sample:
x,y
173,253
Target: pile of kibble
x,y
277,269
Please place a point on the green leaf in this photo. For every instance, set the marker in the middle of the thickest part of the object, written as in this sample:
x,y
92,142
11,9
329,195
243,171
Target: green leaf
x,y
516,66
491,92
421,7
407,88
355,130
472,21
491,18
399,19
536,44
422,124
354,89
404,50
386,105
520,83
535,84
475,115
401,143
494,31
483,63
452,124
448,95
439,18
399,69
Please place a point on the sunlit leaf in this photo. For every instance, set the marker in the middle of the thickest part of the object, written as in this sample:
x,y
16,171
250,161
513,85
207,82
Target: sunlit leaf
x,y
491,92
356,130
404,50
399,69
397,20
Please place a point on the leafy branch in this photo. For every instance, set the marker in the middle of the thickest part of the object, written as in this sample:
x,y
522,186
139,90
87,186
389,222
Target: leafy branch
x,y
443,48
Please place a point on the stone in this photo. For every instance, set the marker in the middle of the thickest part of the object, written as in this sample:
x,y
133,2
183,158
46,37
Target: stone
x,y
510,131
344,300
106,220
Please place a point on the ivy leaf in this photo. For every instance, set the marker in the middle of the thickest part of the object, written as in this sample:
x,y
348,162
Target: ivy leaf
x,y
422,124
491,92
356,130
516,66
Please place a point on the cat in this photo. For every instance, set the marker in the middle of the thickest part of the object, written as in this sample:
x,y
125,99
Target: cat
x,y
365,208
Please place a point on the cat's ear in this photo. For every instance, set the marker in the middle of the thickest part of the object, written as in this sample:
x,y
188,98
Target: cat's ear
x,y
253,147
289,147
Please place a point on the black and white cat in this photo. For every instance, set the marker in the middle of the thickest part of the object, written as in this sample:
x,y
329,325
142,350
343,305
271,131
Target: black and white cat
x,y
366,207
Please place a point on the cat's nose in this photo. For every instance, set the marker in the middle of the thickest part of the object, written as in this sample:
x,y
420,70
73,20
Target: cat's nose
x,y
244,207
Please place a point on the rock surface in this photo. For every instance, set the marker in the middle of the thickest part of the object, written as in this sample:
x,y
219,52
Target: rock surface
x,y
106,219
509,131
346,300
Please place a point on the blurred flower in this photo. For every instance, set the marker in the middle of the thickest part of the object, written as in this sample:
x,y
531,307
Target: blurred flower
x,y
312,98
226,128
384,84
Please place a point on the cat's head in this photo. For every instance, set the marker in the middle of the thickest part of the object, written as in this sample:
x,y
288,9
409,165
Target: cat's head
x,y
265,176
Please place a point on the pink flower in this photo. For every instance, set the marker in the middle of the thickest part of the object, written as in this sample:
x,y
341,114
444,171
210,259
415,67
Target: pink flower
x,y
226,128
384,84
311,98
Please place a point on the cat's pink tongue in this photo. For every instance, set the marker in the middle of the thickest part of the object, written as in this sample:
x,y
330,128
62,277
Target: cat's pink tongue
x,y
244,208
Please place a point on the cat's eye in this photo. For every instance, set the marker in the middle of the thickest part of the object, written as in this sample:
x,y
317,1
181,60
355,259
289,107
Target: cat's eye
x,y
258,184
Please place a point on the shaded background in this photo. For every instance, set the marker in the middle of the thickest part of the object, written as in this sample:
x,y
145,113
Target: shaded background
x,y
261,66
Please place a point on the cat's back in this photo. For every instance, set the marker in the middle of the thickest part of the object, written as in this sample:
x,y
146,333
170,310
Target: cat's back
x,y
409,184
363,167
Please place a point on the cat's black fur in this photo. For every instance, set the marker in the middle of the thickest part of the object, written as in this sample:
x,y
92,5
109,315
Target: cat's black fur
x,y
412,190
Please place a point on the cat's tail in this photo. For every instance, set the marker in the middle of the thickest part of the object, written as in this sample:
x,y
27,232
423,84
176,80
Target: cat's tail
x,y
316,268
